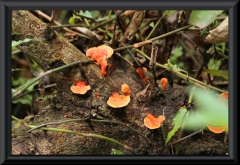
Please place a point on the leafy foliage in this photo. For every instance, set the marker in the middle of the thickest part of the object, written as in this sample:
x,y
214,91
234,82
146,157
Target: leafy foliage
x,y
210,110
203,18
116,152
16,43
177,121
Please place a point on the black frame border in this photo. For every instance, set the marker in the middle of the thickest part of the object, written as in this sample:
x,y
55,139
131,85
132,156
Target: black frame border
x,y
5,71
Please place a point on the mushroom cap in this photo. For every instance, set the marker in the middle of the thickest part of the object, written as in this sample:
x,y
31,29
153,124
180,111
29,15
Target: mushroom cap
x,y
164,82
216,129
91,52
80,87
118,101
80,83
100,54
224,95
104,49
153,123
143,77
125,89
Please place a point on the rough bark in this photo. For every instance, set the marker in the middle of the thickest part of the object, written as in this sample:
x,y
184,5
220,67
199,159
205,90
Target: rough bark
x,y
50,50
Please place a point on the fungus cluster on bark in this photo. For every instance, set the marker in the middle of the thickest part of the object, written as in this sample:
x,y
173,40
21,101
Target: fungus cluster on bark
x,y
117,100
80,87
153,122
100,54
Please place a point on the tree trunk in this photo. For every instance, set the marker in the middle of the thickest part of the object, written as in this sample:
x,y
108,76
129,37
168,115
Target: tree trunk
x,y
50,50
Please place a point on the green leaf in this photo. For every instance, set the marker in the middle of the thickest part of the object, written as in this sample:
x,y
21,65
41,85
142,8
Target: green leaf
x,y
203,18
16,43
23,100
177,121
204,31
151,24
210,50
170,12
212,64
210,109
219,73
18,124
177,52
116,152
174,68
86,14
95,13
71,21
193,28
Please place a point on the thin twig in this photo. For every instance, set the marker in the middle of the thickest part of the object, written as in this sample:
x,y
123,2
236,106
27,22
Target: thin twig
x,y
59,24
156,25
92,120
41,127
183,76
18,92
188,136
119,55
155,38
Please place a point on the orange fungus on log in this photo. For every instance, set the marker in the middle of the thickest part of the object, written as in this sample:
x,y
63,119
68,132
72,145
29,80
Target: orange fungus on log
x,y
164,82
80,87
117,101
152,122
125,89
100,54
142,71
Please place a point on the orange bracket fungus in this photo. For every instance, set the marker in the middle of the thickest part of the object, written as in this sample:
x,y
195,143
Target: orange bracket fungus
x,y
117,101
142,75
80,87
100,54
152,122
125,89
164,82
224,95
216,129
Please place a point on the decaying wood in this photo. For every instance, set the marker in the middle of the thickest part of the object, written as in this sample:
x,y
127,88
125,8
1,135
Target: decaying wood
x,y
50,50
219,34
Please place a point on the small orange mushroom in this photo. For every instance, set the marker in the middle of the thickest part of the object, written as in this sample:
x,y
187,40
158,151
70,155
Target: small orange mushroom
x,y
117,101
100,54
223,98
216,129
224,95
152,122
80,87
142,75
125,89
164,82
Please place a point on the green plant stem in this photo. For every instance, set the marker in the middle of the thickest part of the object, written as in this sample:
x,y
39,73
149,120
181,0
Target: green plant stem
x,y
59,24
69,25
156,25
134,130
102,24
109,17
188,136
179,137
16,93
87,135
183,76
164,137
156,38
85,18
92,120
73,132
15,118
